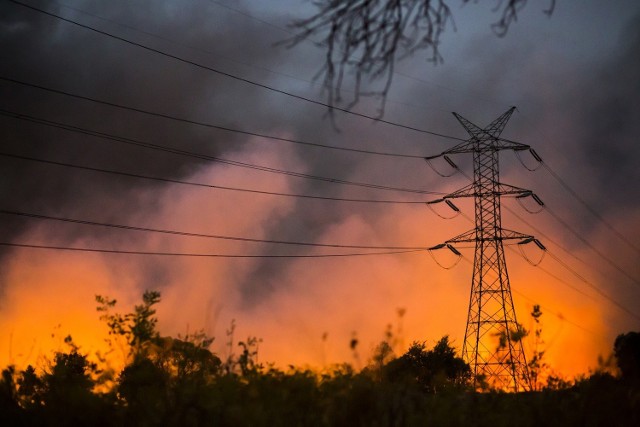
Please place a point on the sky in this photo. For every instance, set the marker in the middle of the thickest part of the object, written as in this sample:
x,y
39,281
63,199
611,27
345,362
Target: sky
x,y
573,77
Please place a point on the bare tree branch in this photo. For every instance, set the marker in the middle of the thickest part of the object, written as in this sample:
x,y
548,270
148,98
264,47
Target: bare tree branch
x,y
367,37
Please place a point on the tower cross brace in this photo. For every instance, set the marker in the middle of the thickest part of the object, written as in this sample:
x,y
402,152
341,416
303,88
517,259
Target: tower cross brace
x,y
492,342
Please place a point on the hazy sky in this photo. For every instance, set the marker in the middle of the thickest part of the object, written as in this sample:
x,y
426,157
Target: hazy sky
x,y
573,77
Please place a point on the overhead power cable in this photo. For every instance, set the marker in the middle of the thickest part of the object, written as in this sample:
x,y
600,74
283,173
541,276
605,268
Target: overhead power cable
x,y
575,233
198,123
589,208
592,286
200,156
577,197
593,248
213,158
227,58
548,239
558,315
240,12
178,43
602,294
209,236
229,75
331,180
319,43
196,255
576,274
199,184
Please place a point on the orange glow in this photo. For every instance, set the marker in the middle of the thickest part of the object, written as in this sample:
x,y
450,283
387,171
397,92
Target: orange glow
x,y
318,306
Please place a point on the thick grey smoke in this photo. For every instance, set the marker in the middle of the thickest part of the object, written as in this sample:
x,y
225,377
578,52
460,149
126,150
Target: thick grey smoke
x,y
577,107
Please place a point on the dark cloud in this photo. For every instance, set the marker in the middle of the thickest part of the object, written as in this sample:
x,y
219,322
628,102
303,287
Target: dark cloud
x,y
610,115
53,53
581,116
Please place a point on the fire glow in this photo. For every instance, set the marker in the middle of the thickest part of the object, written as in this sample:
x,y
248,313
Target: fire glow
x,y
317,308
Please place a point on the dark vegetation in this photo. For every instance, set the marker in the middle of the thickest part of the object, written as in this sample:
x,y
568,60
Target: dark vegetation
x,y
179,382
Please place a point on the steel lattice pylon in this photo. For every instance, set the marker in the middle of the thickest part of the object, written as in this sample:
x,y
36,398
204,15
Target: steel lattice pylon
x,y
491,346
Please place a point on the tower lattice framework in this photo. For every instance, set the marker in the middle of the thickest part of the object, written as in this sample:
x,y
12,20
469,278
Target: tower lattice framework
x,y
492,343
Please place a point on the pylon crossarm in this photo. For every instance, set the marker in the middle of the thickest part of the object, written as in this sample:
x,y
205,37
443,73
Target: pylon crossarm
x,y
507,144
467,237
463,147
471,237
477,144
514,235
502,190
467,191
511,190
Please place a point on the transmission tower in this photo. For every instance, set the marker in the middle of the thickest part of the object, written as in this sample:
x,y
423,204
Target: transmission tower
x,y
492,342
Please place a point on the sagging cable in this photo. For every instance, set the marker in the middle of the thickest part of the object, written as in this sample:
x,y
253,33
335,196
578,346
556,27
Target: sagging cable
x,y
525,194
537,199
538,244
453,165
527,167
455,209
452,249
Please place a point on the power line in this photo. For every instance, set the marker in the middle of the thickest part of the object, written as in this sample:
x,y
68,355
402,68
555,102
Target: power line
x,y
198,123
229,75
559,316
209,236
592,211
316,43
582,279
577,197
199,156
556,243
195,255
212,158
568,227
589,208
246,64
199,184
593,248
188,46
592,286
240,12
576,274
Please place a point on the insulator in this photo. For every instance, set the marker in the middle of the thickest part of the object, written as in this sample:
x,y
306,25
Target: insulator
x,y
451,163
537,199
433,202
535,155
524,194
454,250
539,244
452,206
427,158
440,246
527,240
